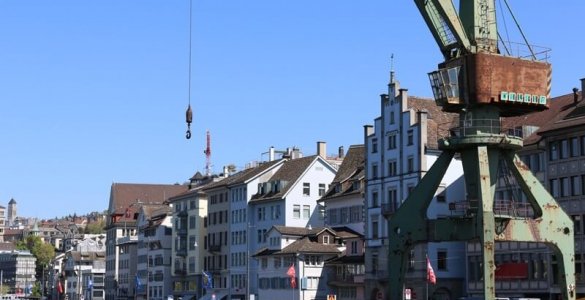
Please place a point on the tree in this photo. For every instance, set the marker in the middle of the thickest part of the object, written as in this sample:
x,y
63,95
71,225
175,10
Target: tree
x,y
42,251
96,227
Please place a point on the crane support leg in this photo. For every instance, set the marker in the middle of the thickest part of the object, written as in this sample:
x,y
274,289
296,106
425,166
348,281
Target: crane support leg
x,y
404,227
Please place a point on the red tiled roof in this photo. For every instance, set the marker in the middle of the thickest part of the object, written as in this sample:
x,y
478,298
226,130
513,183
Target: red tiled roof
x,y
130,196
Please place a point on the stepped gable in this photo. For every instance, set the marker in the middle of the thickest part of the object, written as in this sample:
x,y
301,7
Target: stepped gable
x,y
439,122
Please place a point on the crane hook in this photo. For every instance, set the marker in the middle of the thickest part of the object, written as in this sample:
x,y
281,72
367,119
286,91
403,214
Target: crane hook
x,y
189,119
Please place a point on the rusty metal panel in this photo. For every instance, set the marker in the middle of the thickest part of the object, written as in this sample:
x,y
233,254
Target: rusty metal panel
x,y
516,85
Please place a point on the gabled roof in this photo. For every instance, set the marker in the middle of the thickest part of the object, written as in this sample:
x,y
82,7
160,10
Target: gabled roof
x,y
563,112
131,196
244,175
289,172
351,169
344,233
299,231
305,245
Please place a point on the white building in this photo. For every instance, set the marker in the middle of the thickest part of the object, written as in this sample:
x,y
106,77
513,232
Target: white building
x,y
153,270
299,250
400,148
344,207
288,198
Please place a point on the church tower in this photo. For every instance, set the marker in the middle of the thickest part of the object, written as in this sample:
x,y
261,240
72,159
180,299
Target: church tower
x,y
11,212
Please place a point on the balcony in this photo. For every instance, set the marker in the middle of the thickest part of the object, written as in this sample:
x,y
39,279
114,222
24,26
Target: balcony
x,y
180,271
181,252
388,209
501,208
347,278
214,248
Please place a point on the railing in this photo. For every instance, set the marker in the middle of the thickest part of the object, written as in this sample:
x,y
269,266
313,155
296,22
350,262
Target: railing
x,y
214,248
478,127
501,207
388,209
349,278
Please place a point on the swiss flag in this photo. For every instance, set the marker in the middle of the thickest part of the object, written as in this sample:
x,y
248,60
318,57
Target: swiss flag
x,y
431,278
292,274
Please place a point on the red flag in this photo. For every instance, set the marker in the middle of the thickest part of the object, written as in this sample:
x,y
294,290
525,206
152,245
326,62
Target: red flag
x,y
291,272
59,287
431,278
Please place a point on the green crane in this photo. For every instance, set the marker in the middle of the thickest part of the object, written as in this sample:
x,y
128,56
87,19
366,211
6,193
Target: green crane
x,y
482,86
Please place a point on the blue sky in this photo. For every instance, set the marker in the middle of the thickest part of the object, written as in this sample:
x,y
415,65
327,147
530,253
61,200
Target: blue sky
x,y
94,92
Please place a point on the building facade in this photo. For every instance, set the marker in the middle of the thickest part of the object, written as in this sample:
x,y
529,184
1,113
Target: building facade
x,y
125,200
400,148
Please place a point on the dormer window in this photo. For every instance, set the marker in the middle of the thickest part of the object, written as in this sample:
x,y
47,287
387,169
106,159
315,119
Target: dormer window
x,y
325,239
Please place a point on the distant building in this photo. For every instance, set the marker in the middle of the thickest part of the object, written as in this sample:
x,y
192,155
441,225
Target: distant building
x,y
18,271
153,270
11,217
125,201
2,222
344,211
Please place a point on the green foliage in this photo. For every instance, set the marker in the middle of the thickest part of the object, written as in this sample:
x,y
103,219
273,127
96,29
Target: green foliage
x,y
43,252
96,227
5,289
36,290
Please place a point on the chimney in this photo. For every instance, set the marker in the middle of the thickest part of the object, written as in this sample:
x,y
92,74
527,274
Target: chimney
x,y
271,153
340,152
575,95
322,149
582,88
225,171
368,130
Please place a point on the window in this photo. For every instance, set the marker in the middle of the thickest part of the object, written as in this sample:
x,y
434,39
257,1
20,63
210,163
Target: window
x,y
374,145
554,187
332,218
306,212
392,117
575,185
393,199
410,138
261,213
307,188
296,211
565,187
553,150
564,149
575,147
392,141
375,227
374,199
577,223
410,164
325,239
374,171
354,245
356,213
392,167
442,259
321,189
